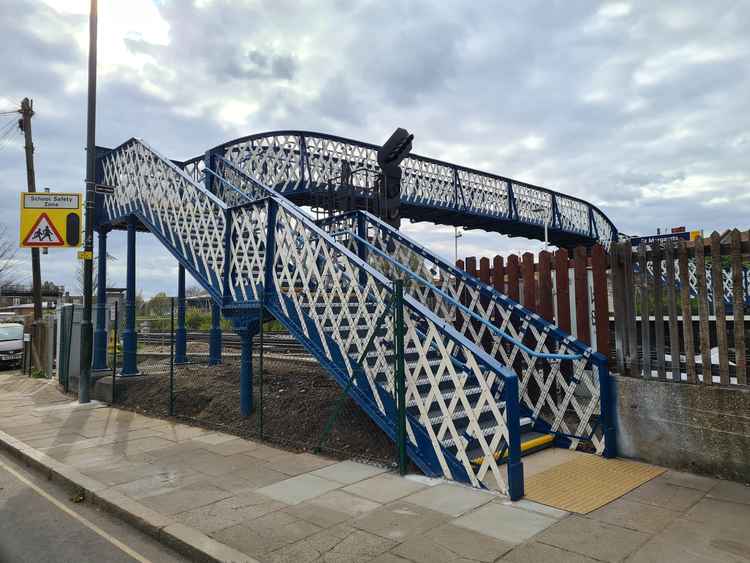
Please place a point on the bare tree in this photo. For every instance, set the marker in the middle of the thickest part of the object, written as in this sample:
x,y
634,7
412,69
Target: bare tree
x,y
8,263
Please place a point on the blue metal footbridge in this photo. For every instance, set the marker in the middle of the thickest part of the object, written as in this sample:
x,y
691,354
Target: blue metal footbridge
x,y
470,378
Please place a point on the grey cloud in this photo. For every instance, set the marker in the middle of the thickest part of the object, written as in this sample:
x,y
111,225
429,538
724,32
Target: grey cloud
x,y
626,106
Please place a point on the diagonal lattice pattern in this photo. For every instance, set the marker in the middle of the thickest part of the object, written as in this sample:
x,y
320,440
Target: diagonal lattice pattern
x,y
296,161
188,219
559,376
246,243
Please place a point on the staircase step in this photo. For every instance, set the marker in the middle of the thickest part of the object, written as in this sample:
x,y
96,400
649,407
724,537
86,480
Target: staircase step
x,y
530,442
488,430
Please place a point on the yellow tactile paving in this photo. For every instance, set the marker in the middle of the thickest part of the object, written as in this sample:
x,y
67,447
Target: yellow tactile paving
x,y
588,482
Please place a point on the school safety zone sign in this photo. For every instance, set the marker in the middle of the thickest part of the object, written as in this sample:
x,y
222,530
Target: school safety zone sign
x,y
50,220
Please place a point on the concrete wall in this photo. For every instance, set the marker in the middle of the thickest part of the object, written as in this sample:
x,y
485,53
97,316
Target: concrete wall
x,y
697,428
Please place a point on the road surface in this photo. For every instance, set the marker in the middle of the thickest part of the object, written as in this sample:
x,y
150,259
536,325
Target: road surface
x,y
39,523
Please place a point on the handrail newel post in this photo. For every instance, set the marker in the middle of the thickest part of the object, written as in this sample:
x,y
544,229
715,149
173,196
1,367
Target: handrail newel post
x,y
400,373
226,293
608,405
513,421
268,285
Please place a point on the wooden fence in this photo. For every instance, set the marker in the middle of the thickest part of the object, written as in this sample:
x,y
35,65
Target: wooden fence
x,y
661,312
671,305
572,291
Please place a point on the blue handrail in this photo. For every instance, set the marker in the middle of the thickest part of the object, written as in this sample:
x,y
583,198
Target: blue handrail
x,y
496,331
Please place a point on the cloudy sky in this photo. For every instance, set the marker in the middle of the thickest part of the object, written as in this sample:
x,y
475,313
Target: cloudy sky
x,y
640,107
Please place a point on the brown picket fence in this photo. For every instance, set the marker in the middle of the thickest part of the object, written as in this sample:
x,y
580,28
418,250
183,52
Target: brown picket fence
x,y
571,291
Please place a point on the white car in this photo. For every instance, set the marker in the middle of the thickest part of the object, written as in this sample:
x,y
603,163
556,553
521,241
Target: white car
x,y
11,344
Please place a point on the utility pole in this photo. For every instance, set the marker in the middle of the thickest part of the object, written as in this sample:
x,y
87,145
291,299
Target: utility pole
x,y
87,329
27,110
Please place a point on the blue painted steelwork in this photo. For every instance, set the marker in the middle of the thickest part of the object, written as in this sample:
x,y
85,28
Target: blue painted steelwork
x,y
247,244
100,334
214,342
246,332
129,335
302,163
609,408
493,329
180,334
403,253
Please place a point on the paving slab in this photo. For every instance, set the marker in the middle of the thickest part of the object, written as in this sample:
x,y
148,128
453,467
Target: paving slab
x,y
120,472
54,440
635,515
230,447
731,518
357,546
450,499
193,495
692,542
254,475
400,520
505,523
216,465
347,503
181,432
421,549
267,533
341,543
299,489
348,472
535,552
731,491
295,464
593,538
468,543
385,487
663,494
532,506
214,438
317,514
168,479
229,512
689,480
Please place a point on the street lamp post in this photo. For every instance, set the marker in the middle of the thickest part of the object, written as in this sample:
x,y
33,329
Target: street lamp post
x,y
457,234
547,218
87,332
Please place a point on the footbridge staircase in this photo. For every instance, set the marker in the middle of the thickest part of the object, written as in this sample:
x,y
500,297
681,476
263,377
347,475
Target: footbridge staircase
x,y
485,380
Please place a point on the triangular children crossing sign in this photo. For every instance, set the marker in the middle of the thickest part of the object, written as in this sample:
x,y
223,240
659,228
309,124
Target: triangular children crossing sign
x,y
43,234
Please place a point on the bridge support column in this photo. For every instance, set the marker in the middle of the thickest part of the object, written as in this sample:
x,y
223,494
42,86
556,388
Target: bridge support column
x,y
180,344
129,336
100,334
246,334
214,343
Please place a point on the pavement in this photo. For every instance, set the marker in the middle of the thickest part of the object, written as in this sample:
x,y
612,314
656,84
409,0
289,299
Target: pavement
x,y
216,497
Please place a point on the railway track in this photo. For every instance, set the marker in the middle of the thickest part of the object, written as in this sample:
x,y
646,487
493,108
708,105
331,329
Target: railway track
x,y
273,342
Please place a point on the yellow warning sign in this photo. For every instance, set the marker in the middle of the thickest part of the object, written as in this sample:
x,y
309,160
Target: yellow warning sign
x,y
50,220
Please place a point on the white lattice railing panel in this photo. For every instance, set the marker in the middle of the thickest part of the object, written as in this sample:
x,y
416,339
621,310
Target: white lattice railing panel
x,y
189,219
558,380
246,243
291,161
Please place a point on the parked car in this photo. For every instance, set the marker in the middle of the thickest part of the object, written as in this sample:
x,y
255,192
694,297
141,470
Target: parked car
x,y
11,344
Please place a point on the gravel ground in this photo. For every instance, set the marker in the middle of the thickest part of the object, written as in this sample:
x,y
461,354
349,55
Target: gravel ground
x,y
297,400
